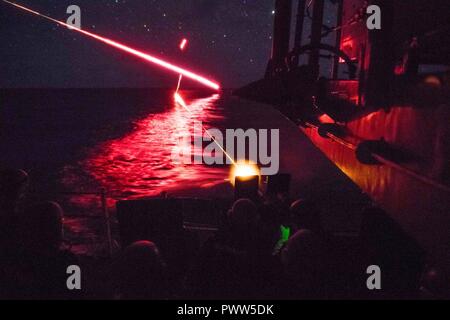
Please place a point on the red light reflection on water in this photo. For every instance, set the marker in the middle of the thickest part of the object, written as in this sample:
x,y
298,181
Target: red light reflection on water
x,y
140,163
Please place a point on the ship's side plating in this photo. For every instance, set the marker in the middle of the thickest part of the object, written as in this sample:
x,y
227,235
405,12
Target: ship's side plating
x,y
382,115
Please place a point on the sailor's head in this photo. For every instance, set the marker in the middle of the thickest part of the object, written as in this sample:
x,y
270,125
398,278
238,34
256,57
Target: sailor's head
x,y
13,184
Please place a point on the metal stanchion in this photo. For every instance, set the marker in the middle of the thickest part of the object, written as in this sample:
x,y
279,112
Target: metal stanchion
x,y
107,221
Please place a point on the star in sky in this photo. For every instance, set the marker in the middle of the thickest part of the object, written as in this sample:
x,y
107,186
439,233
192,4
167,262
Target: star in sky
x,y
230,40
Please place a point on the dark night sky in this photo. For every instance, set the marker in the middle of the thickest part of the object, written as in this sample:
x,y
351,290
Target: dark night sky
x,y
230,41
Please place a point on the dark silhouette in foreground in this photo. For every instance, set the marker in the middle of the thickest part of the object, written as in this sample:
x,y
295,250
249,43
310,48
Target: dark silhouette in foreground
x,y
141,273
41,267
270,249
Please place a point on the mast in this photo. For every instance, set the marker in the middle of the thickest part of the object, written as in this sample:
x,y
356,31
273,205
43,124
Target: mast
x,y
335,74
299,24
316,34
281,36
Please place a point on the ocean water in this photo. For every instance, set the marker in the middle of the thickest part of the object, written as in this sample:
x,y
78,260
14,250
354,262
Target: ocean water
x,y
74,142
118,139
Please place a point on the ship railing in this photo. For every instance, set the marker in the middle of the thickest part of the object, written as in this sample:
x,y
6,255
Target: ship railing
x,y
102,194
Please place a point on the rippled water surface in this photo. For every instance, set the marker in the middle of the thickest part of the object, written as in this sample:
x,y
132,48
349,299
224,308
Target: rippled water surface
x,y
81,141
140,163
118,139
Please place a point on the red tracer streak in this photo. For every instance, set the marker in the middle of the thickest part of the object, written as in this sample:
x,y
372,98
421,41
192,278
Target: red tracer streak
x,y
183,44
145,56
